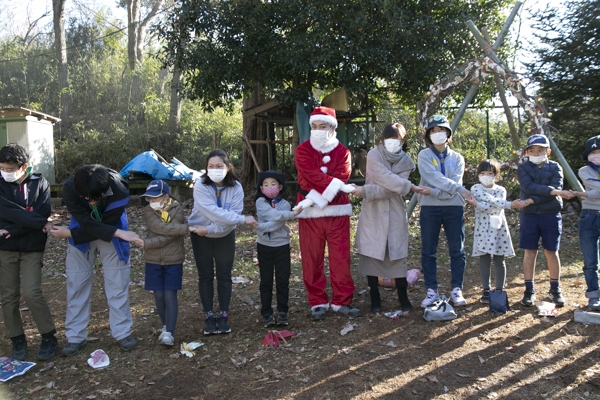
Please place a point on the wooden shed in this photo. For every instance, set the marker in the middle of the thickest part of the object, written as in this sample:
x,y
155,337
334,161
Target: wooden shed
x,y
34,131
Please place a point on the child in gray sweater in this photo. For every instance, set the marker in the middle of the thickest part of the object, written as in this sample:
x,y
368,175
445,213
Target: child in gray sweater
x,y
273,244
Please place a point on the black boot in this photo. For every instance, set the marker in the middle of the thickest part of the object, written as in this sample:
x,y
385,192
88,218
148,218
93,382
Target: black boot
x,y
402,286
374,291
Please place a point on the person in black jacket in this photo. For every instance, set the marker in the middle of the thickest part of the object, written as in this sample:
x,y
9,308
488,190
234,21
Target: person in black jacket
x,y
24,212
96,197
541,193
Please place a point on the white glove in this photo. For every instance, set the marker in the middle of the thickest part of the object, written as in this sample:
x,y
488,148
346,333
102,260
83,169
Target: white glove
x,y
347,188
304,204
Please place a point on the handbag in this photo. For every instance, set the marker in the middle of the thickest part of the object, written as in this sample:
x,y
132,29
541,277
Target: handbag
x,y
439,310
499,301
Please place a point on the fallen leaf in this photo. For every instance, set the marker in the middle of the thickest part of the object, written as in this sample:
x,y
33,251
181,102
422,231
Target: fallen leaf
x,y
391,344
432,378
48,366
141,378
463,375
481,360
128,383
36,389
167,372
216,373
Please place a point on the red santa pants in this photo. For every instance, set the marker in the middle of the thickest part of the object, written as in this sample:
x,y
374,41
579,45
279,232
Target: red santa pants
x,y
314,233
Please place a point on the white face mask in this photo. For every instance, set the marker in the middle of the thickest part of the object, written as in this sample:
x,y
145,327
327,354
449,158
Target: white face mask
x,y
12,176
438,137
392,145
486,180
538,159
156,205
594,159
216,174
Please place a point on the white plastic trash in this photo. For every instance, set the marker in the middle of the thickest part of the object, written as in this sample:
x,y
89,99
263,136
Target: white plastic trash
x,y
586,317
98,359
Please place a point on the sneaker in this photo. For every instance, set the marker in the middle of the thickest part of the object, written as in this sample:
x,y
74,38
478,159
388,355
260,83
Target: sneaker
x,y
19,351
127,343
318,313
72,348
528,298
485,296
47,348
348,311
167,339
432,296
268,320
224,324
557,297
162,332
282,319
594,304
210,326
457,297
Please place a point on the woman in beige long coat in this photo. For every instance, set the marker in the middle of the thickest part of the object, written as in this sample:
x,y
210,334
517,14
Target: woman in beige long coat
x,y
382,233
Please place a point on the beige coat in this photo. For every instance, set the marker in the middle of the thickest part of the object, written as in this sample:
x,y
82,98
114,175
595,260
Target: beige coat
x,y
382,220
164,241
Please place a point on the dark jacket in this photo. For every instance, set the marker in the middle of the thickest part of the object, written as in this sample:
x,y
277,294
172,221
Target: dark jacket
x,y
111,208
164,241
537,182
24,210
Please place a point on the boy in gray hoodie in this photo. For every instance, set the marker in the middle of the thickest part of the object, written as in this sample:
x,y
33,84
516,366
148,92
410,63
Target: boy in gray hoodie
x,y
273,244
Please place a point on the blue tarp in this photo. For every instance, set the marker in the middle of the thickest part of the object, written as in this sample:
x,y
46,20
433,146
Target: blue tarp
x,y
148,163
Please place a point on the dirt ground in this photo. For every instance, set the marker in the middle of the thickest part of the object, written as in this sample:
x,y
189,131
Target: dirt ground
x,y
478,355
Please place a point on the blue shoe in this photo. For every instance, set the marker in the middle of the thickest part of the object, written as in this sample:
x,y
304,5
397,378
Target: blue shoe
x,y
594,304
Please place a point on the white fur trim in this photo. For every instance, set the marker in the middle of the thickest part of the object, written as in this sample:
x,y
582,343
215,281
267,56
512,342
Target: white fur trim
x,y
324,169
326,159
329,211
322,117
320,201
334,187
329,146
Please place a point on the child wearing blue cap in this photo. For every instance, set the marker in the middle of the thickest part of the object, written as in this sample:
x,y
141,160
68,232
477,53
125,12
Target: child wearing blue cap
x,y
273,244
589,220
541,182
164,254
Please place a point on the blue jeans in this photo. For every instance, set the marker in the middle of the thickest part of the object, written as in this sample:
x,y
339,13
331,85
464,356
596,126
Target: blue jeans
x,y
589,232
452,218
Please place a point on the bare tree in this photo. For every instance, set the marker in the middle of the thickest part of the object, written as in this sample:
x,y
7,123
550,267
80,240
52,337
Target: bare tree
x,y
60,44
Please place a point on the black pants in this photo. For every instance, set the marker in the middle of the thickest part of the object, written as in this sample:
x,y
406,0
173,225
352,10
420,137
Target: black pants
x,y
214,256
277,260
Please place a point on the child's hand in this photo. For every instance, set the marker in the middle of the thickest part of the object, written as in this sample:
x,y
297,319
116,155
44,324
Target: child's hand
x,y
4,232
565,194
424,190
297,210
199,230
139,242
127,236
579,194
418,189
60,232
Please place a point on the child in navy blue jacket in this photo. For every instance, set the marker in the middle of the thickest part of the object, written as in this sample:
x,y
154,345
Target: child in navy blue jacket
x,y
541,183
24,211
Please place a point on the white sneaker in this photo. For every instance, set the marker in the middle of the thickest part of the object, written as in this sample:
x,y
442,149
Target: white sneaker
x,y
432,295
167,339
457,297
162,332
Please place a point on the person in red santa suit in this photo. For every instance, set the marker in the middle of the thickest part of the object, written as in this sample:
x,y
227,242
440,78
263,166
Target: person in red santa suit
x,y
324,167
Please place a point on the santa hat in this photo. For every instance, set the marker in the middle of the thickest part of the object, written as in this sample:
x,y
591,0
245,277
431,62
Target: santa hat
x,y
324,114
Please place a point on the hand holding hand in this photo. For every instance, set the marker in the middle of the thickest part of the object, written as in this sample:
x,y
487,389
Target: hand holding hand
x,y
139,242
128,236
347,188
579,194
357,192
47,227
199,230
251,221
472,201
304,204
425,191
297,210
467,195
60,232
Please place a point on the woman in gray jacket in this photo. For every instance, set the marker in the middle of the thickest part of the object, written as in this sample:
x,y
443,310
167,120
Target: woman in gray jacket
x,y
382,232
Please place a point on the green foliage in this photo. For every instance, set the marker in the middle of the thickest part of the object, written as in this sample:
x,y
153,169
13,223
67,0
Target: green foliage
x,y
291,48
568,72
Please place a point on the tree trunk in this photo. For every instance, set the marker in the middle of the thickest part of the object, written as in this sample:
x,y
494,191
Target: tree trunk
x,y
175,106
254,128
60,44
